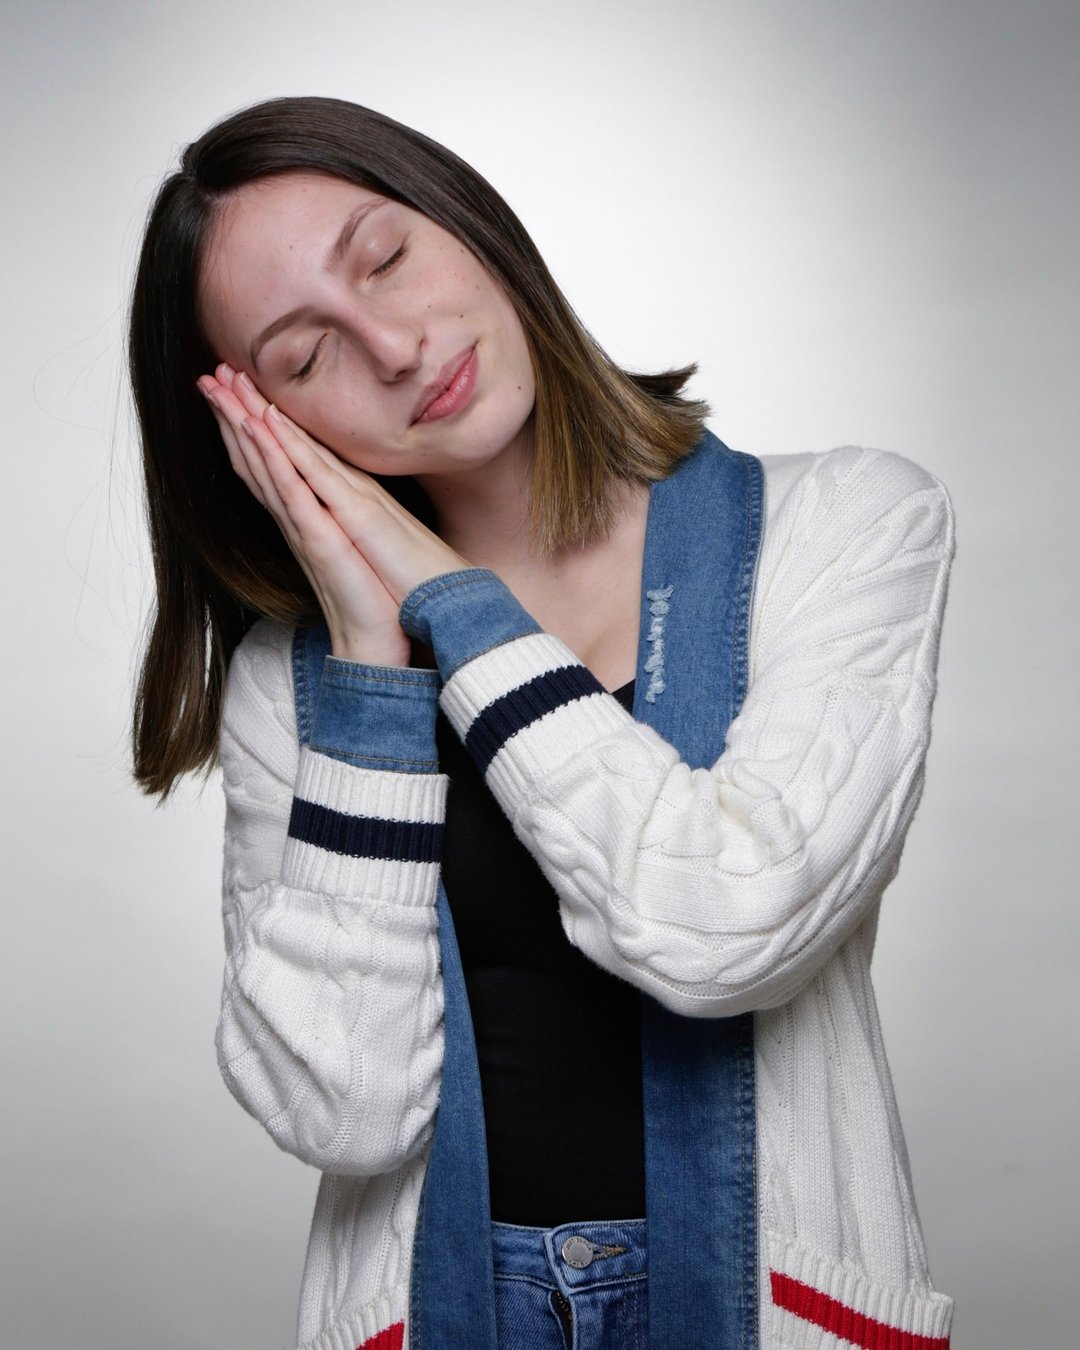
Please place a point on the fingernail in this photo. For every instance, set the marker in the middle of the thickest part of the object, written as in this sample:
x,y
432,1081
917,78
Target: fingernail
x,y
245,381
272,413
229,372
245,425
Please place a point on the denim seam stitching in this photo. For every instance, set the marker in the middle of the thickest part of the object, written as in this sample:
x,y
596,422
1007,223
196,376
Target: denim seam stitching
x,y
740,627
423,680
301,695
610,1282
747,1118
359,759
437,585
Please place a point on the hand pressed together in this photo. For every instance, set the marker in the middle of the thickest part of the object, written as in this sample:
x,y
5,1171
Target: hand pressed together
x,y
360,549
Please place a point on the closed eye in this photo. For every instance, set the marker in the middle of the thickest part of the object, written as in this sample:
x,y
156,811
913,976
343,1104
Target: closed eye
x,y
306,369
395,257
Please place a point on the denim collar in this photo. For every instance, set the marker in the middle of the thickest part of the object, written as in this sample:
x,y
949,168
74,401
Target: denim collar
x,y
701,547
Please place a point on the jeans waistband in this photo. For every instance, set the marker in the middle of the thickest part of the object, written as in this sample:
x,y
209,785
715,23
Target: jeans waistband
x,y
573,1255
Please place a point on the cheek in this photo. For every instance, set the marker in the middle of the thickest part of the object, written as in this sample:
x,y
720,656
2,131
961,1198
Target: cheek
x,y
339,409
327,418
521,361
509,334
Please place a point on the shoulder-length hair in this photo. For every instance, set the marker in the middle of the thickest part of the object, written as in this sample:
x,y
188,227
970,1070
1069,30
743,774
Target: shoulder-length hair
x,y
219,559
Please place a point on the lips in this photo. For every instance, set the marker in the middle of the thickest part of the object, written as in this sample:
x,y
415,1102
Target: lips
x,y
451,389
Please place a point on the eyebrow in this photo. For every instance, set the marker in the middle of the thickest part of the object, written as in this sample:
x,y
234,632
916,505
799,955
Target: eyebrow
x,y
334,255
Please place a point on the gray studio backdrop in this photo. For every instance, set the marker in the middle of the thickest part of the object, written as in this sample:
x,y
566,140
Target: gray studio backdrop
x,y
860,217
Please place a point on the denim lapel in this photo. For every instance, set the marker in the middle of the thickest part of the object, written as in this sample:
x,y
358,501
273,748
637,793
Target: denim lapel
x,y
701,548
452,1284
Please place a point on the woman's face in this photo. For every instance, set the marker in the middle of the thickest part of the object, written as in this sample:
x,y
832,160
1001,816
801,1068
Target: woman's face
x,y
368,324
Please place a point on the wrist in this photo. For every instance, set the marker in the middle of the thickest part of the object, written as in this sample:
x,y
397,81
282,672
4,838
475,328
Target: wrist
x,y
371,649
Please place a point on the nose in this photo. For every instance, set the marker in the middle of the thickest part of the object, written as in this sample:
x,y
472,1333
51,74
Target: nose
x,y
393,344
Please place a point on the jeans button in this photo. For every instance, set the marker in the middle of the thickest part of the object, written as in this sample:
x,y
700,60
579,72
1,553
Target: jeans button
x,y
577,1252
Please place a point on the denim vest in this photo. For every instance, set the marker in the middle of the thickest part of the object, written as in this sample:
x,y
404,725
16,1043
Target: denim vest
x,y
701,547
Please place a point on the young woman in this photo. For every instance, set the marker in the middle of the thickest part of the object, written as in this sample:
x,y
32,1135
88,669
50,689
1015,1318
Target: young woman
x,y
567,754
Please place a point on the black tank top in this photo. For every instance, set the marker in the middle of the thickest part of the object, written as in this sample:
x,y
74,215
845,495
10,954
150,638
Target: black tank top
x,y
558,1039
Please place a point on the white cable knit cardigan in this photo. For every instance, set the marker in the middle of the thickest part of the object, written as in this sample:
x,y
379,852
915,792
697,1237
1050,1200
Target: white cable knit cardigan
x,y
750,886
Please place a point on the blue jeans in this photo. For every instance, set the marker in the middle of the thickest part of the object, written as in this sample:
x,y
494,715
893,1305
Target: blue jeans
x,y
581,1286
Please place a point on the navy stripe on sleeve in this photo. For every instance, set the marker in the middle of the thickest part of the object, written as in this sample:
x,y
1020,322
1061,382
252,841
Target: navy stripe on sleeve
x,y
365,836
526,704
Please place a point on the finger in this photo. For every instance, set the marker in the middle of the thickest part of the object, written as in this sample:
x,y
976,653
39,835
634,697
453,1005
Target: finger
x,y
231,442
222,390
283,419
222,396
283,425
279,479
355,499
291,436
316,526
212,392
348,471
319,542
225,374
226,400
241,386
321,468
265,487
238,460
249,438
244,389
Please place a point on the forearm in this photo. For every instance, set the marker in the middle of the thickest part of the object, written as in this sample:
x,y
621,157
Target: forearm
x,y
723,889
330,1030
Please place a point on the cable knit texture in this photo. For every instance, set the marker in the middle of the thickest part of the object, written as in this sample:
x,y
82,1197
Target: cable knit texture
x,y
751,886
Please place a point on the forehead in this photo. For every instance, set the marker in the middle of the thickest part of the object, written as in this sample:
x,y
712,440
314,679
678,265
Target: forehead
x,y
285,202
262,242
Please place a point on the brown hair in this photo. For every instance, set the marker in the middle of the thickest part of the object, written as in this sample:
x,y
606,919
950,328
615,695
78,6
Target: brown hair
x,y
219,559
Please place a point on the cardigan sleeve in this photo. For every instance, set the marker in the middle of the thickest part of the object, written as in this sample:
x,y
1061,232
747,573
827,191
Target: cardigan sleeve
x,y
330,1031
723,890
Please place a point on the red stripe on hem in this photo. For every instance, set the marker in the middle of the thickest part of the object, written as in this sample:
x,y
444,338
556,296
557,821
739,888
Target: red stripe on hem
x,y
851,1326
393,1338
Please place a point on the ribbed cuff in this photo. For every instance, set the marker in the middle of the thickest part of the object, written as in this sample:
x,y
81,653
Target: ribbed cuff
x,y
461,615
377,717
363,834
523,709
817,1300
